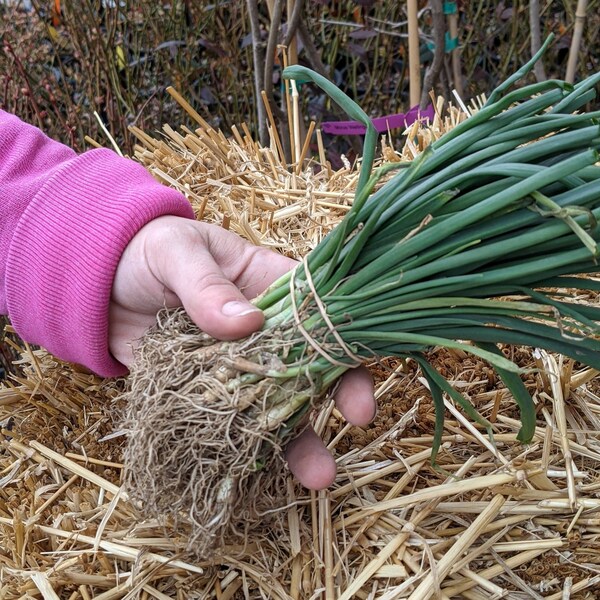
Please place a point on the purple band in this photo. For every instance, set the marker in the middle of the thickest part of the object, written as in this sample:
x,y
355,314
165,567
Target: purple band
x,y
382,124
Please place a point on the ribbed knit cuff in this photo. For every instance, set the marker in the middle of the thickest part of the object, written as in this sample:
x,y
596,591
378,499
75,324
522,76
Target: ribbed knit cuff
x,y
65,250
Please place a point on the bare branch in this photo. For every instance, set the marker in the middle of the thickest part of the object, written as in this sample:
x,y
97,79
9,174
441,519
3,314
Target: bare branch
x,y
293,22
271,47
580,15
439,36
259,69
312,54
536,38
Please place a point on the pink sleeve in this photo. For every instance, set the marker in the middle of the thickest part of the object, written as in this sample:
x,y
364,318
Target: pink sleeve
x,y
65,220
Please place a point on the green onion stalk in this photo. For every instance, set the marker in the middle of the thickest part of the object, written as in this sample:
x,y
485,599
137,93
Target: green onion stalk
x,y
463,248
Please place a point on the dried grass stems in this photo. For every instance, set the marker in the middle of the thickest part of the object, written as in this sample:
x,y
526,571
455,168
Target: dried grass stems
x,y
502,520
234,182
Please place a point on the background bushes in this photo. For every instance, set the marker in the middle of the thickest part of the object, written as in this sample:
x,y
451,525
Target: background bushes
x,y
61,61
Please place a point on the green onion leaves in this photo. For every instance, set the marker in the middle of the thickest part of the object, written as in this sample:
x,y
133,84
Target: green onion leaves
x,y
457,248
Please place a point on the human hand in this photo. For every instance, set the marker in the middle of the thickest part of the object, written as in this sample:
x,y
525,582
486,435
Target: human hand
x,y
213,273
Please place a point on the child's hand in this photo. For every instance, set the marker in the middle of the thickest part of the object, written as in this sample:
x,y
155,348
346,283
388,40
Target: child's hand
x,y
213,272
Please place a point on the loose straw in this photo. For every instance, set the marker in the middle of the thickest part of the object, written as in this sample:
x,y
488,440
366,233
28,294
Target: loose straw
x,y
43,585
396,542
561,421
273,127
514,561
111,139
118,550
296,144
439,491
73,467
467,539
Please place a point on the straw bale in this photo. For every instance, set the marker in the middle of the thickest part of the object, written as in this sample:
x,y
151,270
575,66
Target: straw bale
x,y
494,520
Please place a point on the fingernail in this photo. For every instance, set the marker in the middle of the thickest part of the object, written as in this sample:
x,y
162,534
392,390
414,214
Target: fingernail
x,y
238,309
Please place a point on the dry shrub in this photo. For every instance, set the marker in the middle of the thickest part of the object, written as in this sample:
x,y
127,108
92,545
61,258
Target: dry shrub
x,y
117,58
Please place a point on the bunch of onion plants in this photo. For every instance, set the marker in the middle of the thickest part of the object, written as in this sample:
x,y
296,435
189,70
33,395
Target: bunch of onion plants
x,y
466,247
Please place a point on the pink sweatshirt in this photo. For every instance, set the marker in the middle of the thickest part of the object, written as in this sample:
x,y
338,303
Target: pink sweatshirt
x,y
65,220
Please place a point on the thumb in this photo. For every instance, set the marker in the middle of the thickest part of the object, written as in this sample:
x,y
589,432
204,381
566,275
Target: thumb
x,y
212,301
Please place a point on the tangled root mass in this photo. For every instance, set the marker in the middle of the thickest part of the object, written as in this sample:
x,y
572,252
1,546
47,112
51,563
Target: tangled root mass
x,y
204,433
